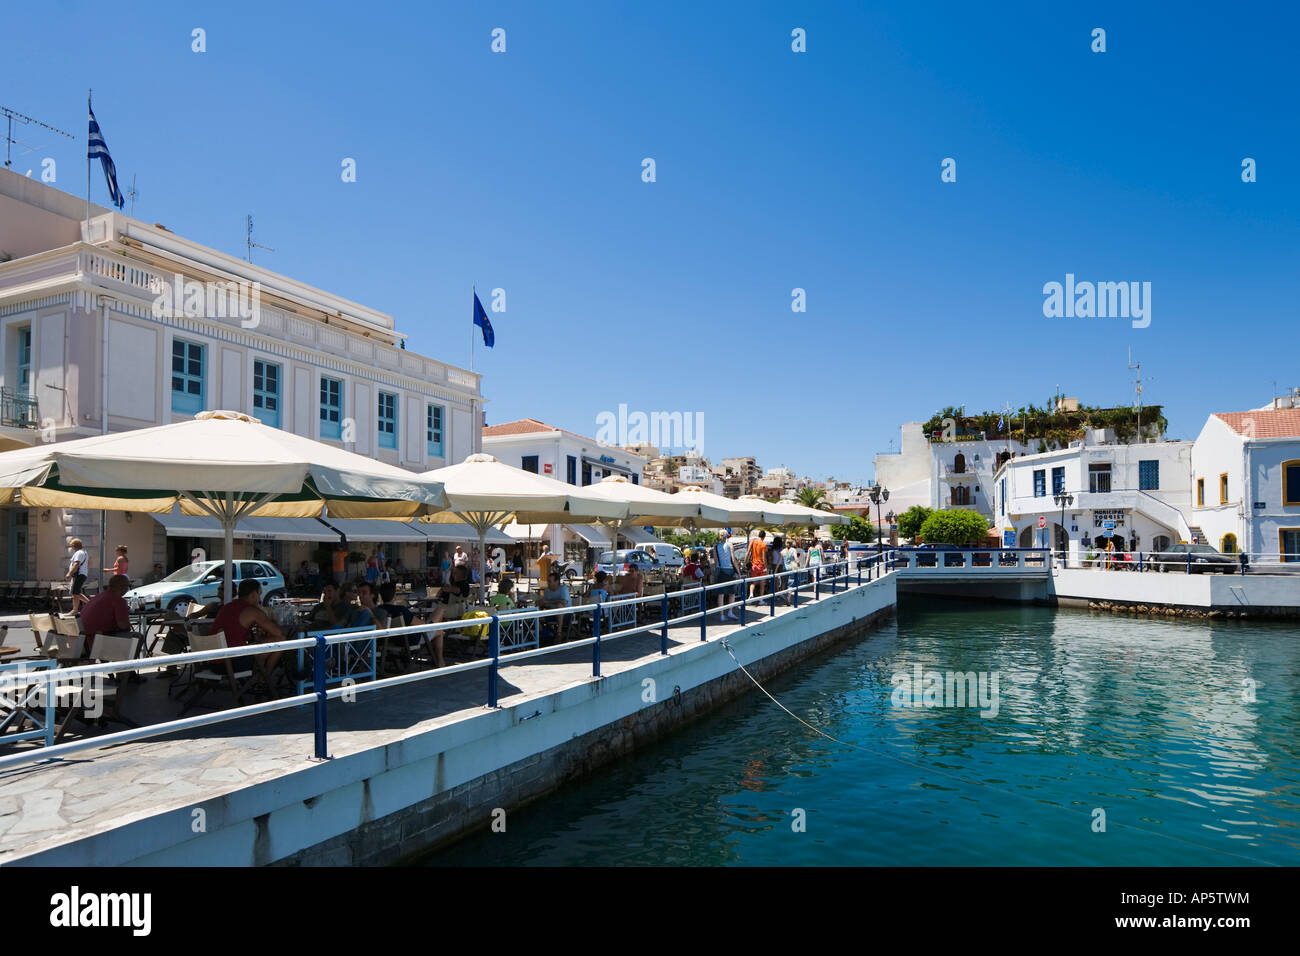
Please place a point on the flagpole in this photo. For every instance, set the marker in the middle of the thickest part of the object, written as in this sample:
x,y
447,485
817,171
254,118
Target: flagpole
x,y
475,431
88,109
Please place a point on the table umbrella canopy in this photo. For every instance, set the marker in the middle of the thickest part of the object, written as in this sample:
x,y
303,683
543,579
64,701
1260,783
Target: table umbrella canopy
x,y
484,492
793,513
645,506
719,512
220,463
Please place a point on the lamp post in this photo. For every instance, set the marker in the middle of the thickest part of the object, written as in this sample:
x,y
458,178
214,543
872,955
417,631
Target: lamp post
x,y
877,494
1063,500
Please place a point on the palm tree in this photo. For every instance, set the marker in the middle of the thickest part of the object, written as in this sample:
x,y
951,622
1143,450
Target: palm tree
x,y
813,498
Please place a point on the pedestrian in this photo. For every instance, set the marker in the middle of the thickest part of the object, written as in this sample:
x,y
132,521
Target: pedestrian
x,y
724,562
77,573
120,564
757,563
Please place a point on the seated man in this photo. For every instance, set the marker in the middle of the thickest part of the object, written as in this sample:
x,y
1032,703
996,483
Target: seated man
x,y
243,613
556,595
154,576
504,599
600,590
632,583
322,615
106,612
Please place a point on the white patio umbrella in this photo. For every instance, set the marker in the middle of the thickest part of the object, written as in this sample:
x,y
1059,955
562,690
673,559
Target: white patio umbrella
x,y
484,492
792,513
644,505
224,464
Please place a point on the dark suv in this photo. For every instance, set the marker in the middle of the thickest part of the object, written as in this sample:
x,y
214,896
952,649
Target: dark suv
x,y
1204,559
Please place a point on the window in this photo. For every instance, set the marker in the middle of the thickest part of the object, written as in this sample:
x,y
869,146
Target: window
x,y
1040,484
266,392
433,430
572,475
187,377
1058,481
586,473
1288,543
387,420
636,479
1200,492
1228,544
1291,483
24,379
331,408
530,463
1148,476
1223,488
1099,478
960,495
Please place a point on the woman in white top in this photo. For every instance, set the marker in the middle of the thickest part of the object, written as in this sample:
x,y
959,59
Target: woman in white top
x,y
815,554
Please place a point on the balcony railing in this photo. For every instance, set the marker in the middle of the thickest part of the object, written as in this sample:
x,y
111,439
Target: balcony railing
x,y
18,411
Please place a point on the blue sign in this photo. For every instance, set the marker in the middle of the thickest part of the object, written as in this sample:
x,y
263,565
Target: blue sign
x,y
1009,538
1108,525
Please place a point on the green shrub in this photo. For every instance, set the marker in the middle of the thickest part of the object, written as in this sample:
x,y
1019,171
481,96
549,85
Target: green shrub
x,y
955,526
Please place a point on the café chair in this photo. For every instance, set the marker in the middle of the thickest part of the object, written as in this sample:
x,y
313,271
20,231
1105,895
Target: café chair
x,y
236,673
77,698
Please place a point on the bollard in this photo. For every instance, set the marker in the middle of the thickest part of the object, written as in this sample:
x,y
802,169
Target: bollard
x,y
318,680
663,633
494,649
704,614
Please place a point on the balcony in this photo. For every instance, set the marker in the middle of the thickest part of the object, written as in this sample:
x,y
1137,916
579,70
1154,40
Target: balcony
x,y
18,411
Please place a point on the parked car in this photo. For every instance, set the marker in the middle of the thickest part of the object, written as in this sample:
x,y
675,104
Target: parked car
x,y
1203,559
669,555
200,583
612,563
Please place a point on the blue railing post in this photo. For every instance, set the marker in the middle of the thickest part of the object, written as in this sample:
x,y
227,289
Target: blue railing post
x,y
318,681
494,650
771,587
595,648
1189,562
860,574
663,633
817,584
1140,561
744,602
794,593
704,613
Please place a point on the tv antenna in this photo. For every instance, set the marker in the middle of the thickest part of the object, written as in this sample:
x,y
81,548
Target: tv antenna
x,y
1137,388
251,244
10,116
132,193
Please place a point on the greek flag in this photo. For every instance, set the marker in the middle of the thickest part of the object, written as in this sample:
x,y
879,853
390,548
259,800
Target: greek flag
x,y
97,148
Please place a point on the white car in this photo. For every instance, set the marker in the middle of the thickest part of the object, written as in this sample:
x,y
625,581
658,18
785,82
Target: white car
x,y
200,583
668,555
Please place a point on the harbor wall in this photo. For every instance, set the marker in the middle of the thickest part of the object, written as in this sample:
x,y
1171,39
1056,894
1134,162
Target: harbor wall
x,y
1249,595
394,802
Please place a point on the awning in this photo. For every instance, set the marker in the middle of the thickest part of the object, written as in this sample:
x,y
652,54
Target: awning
x,y
460,532
526,532
594,535
638,535
275,529
376,531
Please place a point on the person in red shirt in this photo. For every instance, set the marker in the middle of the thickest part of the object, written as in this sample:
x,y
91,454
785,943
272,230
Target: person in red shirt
x,y
244,612
106,612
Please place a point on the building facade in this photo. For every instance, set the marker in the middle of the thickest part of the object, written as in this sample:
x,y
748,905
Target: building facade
x,y
113,325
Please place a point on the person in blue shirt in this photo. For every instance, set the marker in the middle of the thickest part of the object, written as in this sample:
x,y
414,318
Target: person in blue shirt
x,y
555,595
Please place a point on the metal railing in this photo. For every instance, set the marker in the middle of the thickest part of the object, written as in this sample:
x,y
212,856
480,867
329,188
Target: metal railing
x,y
799,585
18,411
1237,562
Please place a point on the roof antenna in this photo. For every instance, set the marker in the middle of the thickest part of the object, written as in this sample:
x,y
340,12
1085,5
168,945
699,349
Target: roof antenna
x,y
1137,387
10,116
132,193
248,237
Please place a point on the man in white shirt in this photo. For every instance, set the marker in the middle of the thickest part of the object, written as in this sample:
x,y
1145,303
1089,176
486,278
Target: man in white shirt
x,y
724,570
460,557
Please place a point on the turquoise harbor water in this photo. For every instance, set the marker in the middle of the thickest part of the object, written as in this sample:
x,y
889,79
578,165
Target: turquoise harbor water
x,y
1145,719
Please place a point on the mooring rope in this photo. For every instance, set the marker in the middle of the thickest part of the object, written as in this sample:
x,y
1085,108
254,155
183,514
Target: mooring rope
x,y
965,780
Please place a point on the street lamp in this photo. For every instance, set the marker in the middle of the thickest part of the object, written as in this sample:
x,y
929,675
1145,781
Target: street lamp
x,y
1063,500
878,494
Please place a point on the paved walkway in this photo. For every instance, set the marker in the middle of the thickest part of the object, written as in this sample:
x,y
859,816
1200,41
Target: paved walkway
x,y
96,790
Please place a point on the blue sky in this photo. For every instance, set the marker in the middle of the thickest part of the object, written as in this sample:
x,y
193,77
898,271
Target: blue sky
x,y
775,170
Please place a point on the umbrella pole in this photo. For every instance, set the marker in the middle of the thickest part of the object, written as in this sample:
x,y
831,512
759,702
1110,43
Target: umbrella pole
x,y
228,528
482,560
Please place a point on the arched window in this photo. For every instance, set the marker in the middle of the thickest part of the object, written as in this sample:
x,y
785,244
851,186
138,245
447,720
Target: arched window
x,y
1228,544
959,464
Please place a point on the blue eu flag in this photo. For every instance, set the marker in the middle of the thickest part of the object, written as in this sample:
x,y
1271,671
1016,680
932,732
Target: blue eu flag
x,y
481,320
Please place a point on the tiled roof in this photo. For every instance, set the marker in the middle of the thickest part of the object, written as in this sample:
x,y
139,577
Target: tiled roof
x,y
526,425
1268,423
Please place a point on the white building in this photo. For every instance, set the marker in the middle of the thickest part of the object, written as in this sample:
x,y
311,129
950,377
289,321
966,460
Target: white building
x,y
1134,491
94,340
563,455
1246,492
